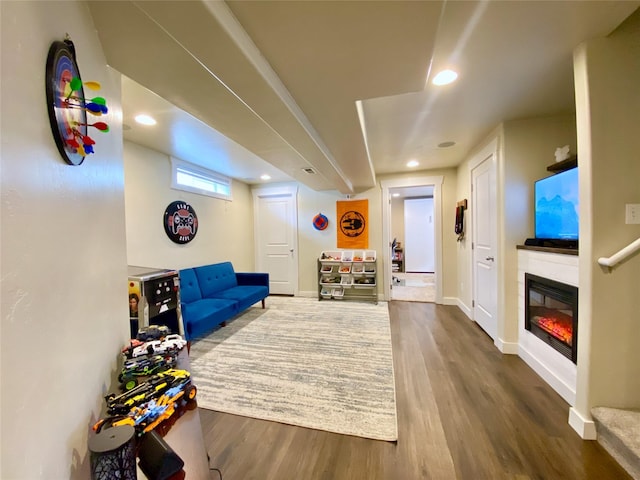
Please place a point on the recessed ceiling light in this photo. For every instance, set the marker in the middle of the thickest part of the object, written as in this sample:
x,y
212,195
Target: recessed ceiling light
x,y
412,163
446,144
445,77
265,177
145,119
395,194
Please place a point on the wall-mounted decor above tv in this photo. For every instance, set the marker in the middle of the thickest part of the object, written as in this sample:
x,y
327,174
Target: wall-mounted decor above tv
x,y
557,210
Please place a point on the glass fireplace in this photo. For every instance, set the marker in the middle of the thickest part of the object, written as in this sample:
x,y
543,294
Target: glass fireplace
x,y
551,313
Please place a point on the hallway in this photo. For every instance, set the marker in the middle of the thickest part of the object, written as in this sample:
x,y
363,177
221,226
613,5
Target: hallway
x,y
414,287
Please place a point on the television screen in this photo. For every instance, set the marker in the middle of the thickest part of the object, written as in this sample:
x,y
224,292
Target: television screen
x,y
556,206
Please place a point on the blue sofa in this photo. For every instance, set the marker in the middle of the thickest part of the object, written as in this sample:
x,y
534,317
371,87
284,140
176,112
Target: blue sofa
x,y
212,294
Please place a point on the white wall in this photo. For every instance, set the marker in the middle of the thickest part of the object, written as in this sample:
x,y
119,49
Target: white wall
x,y
464,292
312,242
64,316
449,250
225,228
525,148
419,248
397,219
607,79
528,148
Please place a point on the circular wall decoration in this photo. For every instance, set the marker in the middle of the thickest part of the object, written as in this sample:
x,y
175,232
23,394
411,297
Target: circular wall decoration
x,y
320,222
180,222
67,105
352,224
67,123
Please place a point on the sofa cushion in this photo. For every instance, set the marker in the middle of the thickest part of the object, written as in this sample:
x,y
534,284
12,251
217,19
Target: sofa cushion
x,y
204,314
189,288
253,278
215,278
245,295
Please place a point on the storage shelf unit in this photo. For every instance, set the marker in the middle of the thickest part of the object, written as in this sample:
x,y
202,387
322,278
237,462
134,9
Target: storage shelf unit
x,y
397,260
347,274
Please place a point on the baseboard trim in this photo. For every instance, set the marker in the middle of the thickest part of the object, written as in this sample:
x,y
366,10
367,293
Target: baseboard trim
x,y
465,309
548,376
314,294
586,428
508,348
449,301
307,294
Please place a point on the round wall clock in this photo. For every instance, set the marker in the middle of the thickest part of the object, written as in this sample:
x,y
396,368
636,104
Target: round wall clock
x,y
180,222
67,115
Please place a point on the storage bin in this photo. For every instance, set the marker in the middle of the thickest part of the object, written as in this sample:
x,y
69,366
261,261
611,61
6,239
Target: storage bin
x,y
330,280
344,268
346,280
358,256
347,256
331,256
364,282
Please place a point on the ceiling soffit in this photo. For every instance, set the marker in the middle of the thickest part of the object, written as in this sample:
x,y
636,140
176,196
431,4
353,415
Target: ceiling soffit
x,y
167,50
331,54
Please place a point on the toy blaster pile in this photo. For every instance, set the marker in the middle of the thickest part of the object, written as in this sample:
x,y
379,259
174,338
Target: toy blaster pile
x,y
152,389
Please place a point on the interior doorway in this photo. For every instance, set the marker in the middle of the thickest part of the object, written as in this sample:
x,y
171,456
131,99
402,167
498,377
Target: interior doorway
x,y
485,259
276,233
419,250
413,249
425,284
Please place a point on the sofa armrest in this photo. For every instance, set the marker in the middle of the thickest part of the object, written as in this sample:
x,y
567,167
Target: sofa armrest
x,y
252,278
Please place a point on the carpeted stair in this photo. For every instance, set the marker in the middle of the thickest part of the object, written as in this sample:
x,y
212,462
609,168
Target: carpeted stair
x,y
619,433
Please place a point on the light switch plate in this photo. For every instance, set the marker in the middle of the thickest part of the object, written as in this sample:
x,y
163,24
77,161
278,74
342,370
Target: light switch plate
x,y
632,213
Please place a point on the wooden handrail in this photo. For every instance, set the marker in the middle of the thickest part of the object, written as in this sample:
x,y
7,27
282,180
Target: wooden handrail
x,y
618,257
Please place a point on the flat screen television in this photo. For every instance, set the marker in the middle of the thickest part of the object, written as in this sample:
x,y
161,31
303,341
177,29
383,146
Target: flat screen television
x,y
556,209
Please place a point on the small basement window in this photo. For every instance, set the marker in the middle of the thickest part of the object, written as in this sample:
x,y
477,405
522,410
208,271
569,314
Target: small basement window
x,y
195,179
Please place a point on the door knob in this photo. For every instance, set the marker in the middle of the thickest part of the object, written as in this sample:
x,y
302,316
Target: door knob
x,y
489,259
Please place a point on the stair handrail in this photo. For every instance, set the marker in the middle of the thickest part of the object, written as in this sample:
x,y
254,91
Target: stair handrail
x,y
621,255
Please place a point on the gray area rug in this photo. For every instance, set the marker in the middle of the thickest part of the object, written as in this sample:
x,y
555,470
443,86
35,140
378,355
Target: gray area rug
x,y
325,365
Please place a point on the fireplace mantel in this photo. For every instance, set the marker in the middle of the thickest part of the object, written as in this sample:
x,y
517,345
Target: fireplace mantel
x,y
557,370
561,251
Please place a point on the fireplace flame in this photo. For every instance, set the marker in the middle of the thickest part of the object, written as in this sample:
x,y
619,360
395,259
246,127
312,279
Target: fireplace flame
x,y
558,327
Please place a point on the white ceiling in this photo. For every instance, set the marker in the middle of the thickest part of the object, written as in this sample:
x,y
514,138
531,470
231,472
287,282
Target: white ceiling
x,y
340,87
183,136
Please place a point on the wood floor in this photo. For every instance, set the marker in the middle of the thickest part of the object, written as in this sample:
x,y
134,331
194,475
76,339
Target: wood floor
x,y
465,411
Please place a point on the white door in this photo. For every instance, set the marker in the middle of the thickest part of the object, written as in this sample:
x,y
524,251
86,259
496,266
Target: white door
x,y
275,223
485,278
419,235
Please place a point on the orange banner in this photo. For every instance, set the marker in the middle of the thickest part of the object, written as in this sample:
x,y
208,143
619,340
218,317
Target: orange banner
x,y
353,223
